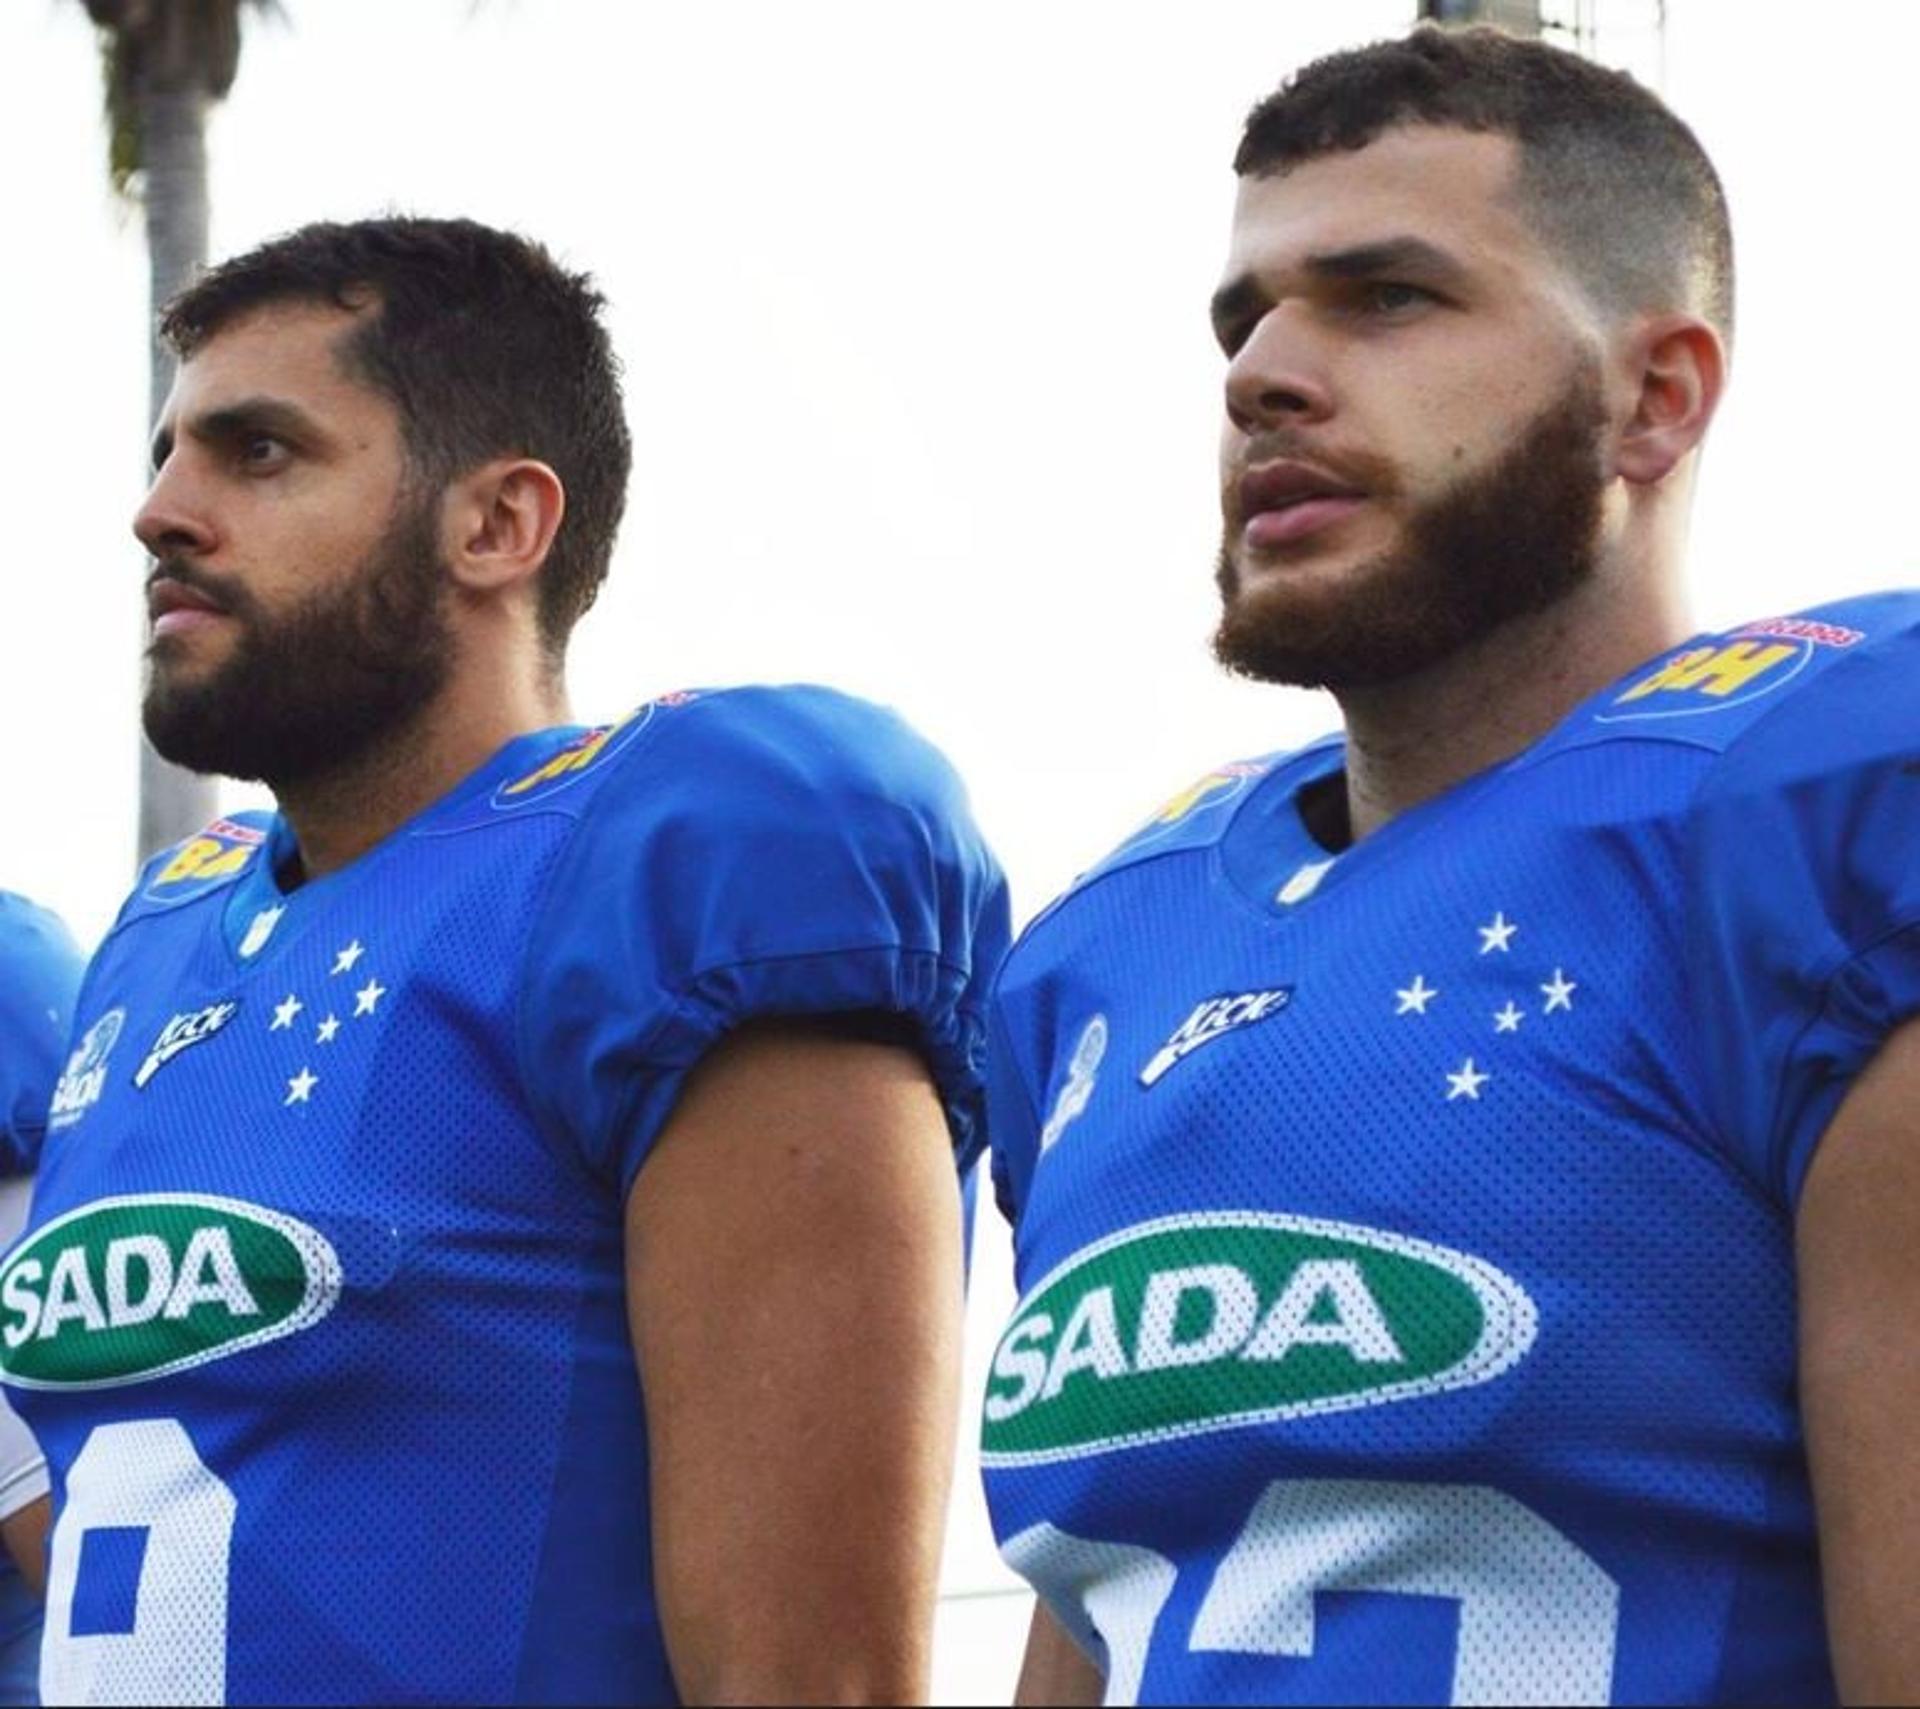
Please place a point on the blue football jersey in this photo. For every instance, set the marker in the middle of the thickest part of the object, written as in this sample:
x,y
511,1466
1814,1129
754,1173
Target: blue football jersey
x,y
1405,1236
39,973
320,1316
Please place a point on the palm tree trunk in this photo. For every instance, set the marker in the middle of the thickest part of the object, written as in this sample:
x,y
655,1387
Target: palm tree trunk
x,y
173,148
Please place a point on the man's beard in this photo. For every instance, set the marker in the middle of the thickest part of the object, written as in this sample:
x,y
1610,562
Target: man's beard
x,y
1514,539
314,689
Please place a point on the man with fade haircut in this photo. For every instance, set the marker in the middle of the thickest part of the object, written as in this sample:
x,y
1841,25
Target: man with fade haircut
x,y
39,972
1464,1173
498,1238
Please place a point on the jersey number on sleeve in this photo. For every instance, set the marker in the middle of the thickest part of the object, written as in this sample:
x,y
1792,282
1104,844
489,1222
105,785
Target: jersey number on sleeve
x,y
160,1525
1538,1617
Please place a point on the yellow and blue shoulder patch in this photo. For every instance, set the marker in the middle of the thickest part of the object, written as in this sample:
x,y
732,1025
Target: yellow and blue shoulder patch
x,y
1730,670
1219,785
205,861
1194,810
585,753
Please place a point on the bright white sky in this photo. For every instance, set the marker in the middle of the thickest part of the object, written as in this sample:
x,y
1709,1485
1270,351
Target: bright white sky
x,y
912,302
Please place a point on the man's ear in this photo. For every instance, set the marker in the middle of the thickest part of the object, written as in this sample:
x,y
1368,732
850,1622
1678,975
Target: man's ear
x,y
1679,364
498,522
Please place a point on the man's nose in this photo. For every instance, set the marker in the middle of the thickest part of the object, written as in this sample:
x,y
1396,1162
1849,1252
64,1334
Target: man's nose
x,y
170,522
1278,377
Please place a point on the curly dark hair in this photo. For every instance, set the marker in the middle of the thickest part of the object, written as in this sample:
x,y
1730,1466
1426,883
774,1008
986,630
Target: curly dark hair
x,y
1613,182
485,345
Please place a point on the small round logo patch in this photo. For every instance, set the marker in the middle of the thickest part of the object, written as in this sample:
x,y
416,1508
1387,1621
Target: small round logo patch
x,y
85,1078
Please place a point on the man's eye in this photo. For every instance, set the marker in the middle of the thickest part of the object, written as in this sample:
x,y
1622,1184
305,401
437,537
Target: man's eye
x,y
1388,296
261,451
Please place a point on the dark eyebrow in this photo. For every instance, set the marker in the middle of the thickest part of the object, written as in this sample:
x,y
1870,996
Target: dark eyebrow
x,y
273,416
1240,300
1392,255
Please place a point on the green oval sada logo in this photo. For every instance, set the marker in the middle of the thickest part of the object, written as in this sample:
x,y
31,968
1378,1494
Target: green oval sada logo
x,y
1210,1322
127,1289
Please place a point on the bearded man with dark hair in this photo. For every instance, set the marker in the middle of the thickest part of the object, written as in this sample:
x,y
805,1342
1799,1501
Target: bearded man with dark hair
x,y
1462,1172
473,1182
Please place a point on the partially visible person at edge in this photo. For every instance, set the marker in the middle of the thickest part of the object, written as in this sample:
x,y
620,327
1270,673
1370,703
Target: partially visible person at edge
x,y
1466,1174
499,1236
39,973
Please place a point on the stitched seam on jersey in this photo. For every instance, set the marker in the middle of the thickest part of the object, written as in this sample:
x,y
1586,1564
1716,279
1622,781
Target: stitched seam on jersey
x,y
1789,1436
1021,1079
681,995
1778,1141
702,974
581,1305
686,1005
1085,885
1771,1191
547,805
1779,710
556,1138
556,1141
1092,877
1774,1190
131,914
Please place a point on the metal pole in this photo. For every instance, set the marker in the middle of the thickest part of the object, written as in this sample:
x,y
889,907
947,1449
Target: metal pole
x,y
173,147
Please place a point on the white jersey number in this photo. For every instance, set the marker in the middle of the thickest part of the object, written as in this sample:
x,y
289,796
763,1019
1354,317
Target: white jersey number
x,y
143,1475
1538,1617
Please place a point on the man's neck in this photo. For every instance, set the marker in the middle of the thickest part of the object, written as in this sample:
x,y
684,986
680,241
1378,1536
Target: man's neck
x,y
337,815
1410,740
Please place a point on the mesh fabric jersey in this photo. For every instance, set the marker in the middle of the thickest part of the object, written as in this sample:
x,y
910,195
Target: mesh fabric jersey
x,y
320,1319
39,973
1404,1236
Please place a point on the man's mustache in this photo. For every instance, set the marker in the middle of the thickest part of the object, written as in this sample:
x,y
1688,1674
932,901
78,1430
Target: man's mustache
x,y
222,590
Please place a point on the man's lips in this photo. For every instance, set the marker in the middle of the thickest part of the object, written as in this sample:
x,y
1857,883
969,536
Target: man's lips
x,y
1287,501
175,607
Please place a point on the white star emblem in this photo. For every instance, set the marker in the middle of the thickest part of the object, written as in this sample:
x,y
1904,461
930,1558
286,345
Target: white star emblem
x,y
1466,1083
1508,1020
1496,936
283,1013
343,962
1559,994
260,930
368,995
300,1087
1416,997
327,1029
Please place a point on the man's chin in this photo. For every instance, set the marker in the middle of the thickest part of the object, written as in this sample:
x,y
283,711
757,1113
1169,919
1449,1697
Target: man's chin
x,y
184,664
1303,575
185,722
1329,622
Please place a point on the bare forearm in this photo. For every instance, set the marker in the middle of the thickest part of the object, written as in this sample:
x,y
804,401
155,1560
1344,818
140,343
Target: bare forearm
x,y
25,1536
1859,1274
794,1287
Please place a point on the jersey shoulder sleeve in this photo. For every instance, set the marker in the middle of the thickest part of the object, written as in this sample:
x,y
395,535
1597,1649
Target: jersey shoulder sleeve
x,y
1197,815
1044,1050
1803,916
40,967
770,851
